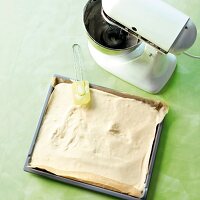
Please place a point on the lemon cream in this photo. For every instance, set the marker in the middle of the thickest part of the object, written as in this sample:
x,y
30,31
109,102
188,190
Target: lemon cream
x,y
106,143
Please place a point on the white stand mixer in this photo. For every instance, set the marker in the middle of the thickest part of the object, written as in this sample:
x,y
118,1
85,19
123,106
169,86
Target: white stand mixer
x,y
148,64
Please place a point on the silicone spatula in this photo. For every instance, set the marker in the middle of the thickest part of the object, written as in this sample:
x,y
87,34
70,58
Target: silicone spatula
x,y
80,87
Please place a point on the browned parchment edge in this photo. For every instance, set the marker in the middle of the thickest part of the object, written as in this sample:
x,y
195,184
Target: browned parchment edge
x,y
154,103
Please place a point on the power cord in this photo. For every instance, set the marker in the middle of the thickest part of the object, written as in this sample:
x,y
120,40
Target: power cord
x,y
190,55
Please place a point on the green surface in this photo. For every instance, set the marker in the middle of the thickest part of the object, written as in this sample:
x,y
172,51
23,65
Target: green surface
x,y
35,43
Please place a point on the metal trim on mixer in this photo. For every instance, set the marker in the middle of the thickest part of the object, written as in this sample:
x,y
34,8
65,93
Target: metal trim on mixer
x,y
115,23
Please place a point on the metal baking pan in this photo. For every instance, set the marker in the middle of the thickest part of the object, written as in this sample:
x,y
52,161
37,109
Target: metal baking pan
x,y
44,173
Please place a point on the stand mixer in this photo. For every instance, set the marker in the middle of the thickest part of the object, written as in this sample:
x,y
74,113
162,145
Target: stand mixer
x,y
136,39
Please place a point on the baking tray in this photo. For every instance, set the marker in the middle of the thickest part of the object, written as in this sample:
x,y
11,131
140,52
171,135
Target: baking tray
x,y
61,79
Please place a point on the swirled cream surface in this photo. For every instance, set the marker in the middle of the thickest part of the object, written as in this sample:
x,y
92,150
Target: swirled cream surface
x,y
107,143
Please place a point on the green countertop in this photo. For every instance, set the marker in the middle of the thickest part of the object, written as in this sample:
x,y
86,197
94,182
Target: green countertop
x,y
35,42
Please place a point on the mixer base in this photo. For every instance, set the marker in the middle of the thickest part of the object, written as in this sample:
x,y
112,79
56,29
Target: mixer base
x,y
149,71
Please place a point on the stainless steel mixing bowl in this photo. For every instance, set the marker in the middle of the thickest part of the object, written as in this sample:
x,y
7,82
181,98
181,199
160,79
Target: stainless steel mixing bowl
x,y
105,37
